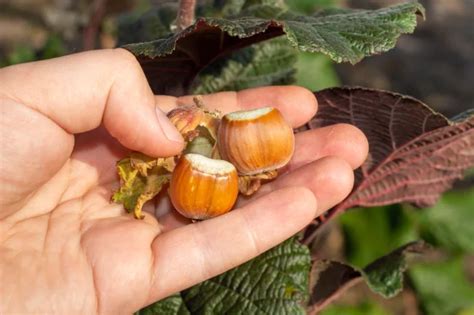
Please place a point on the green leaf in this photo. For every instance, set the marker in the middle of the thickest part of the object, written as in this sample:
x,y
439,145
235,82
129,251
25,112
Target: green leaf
x,y
442,287
155,23
343,35
309,6
231,8
367,308
276,282
269,63
383,276
349,36
148,24
172,62
173,305
450,222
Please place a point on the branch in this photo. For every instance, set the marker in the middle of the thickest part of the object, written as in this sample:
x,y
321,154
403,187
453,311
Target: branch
x,y
89,36
185,14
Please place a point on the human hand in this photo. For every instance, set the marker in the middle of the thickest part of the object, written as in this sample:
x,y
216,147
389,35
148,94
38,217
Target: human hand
x,y
66,249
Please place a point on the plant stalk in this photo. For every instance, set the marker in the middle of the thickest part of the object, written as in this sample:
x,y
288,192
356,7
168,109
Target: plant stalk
x,y
92,28
185,14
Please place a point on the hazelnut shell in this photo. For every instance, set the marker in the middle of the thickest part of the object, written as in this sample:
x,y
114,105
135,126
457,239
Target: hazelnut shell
x,y
203,188
256,141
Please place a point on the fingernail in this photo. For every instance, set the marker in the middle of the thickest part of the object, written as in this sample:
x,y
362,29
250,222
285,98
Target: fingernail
x,y
168,128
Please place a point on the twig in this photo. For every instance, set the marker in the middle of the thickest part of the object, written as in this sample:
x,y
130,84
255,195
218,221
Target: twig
x,y
185,14
92,28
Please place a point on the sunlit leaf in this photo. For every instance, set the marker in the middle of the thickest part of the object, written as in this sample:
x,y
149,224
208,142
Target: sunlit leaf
x,y
171,63
276,282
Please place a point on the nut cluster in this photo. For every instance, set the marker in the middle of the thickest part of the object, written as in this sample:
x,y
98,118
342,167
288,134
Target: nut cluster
x,y
252,145
224,156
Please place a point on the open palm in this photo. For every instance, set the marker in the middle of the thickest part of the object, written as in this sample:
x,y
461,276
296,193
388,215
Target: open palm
x,y
66,249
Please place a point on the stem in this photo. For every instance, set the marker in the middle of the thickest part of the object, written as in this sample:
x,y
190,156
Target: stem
x,y
92,28
185,14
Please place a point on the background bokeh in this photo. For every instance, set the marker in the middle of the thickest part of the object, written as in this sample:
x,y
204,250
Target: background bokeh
x,y
435,65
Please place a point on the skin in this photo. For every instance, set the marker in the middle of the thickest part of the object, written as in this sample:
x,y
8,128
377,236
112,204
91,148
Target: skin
x,y
65,249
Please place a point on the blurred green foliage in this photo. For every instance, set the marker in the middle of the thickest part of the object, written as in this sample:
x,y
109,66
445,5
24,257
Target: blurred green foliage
x,y
370,233
450,223
309,6
442,287
20,54
373,232
315,71
366,308
53,47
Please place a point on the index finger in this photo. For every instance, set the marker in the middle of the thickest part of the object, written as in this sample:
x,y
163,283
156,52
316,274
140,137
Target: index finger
x,y
297,104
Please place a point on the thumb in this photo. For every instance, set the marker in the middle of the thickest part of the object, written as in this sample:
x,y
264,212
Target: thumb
x,y
43,104
80,91
132,116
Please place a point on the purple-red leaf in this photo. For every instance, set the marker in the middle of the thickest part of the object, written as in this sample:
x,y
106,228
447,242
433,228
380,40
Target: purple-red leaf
x,y
329,279
415,153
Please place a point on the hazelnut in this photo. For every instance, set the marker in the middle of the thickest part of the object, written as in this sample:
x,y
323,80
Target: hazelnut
x,y
256,141
202,187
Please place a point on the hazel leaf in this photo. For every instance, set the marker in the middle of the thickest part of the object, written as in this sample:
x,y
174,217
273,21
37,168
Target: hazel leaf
x,y
172,62
275,282
415,153
383,276
268,63
173,305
